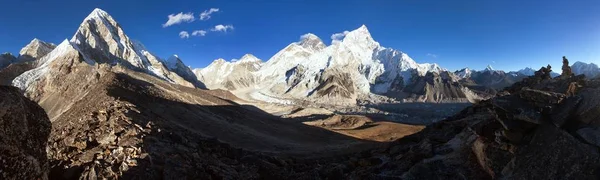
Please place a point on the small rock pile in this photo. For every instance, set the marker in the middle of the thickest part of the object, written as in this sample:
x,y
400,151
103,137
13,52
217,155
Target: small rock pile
x,y
566,69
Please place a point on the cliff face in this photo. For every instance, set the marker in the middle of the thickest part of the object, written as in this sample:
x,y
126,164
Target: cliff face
x,y
24,130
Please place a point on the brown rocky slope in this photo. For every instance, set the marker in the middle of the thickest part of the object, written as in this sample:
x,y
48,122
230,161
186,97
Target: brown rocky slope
x,y
24,130
131,125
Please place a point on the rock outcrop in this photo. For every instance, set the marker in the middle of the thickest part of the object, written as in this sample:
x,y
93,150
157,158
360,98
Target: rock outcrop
x,y
566,69
24,131
6,59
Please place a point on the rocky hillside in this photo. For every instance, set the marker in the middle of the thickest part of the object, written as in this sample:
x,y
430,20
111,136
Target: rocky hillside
x,y
539,128
24,131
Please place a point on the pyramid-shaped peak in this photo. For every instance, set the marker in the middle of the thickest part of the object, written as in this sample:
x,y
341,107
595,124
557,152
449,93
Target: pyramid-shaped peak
x,y
249,58
360,37
362,28
97,13
311,41
489,68
309,36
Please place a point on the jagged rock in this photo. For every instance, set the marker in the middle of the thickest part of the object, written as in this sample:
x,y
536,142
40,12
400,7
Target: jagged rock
x,y
588,111
6,59
541,98
24,130
554,154
566,69
565,110
491,158
590,135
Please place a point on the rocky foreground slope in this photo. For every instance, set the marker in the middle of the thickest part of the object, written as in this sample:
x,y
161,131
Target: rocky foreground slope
x,y
539,128
24,131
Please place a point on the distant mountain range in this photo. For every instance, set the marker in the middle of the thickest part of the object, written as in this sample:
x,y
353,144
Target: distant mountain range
x,y
353,69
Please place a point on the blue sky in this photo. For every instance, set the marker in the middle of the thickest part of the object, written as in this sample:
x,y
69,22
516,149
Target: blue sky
x,y
507,34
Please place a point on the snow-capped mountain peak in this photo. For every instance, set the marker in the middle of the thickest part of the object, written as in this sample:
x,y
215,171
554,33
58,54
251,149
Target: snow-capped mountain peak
x,y
311,41
590,70
527,71
98,13
489,68
35,50
249,58
360,37
100,39
464,73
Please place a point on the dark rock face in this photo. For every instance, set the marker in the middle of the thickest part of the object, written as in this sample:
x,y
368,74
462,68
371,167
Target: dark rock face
x,y
554,153
6,59
8,74
24,130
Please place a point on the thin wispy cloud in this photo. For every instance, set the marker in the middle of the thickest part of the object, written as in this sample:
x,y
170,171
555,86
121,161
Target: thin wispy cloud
x,y
494,62
339,36
184,35
199,33
179,18
222,28
206,14
432,55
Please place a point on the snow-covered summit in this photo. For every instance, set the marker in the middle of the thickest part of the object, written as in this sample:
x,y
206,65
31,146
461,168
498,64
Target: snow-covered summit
x,y
527,71
311,41
35,50
97,13
249,58
100,39
464,73
489,68
299,69
590,70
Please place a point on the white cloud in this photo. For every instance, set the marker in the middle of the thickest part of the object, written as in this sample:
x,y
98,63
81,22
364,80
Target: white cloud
x,y
222,28
339,36
432,55
179,18
206,14
199,33
184,35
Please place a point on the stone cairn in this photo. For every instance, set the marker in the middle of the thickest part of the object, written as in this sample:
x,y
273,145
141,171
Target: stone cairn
x,y
544,72
566,69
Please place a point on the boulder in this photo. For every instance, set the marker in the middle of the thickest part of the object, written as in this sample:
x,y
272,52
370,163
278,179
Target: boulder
x,y
554,154
590,135
490,157
24,131
541,98
560,115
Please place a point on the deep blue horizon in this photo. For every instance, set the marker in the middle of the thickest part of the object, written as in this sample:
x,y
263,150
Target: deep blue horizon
x,y
508,35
